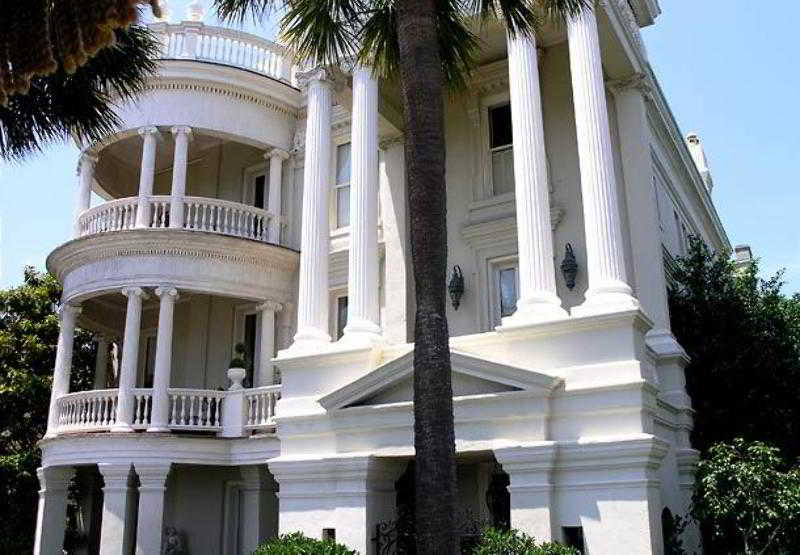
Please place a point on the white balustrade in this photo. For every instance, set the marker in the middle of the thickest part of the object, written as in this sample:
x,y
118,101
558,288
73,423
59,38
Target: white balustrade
x,y
189,409
259,406
219,45
200,214
195,409
87,410
227,218
142,408
115,215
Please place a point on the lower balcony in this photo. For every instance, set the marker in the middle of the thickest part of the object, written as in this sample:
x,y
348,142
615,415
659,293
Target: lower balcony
x,y
232,413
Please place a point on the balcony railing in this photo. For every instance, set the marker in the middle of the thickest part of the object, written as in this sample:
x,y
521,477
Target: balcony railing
x,y
196,41
199,214
229,413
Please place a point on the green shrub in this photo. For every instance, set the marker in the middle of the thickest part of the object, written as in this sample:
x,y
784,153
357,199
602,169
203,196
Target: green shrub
x,y
512,542
298,544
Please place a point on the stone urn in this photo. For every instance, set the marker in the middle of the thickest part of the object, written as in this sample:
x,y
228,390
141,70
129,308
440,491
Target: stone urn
x,y
236,375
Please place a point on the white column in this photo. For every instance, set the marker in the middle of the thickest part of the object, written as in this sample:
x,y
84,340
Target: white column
x,y
86,167
362,284
116,530
150,523
276,157
608,286
130,356
51,517
183,135
146,175
312,309
163,363
538,299
530,488
101,361
67,315
264,375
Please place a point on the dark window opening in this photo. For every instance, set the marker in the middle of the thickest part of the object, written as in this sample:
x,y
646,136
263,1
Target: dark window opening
x,y
573,537
329,534
250,346
258,194
341,316
500,133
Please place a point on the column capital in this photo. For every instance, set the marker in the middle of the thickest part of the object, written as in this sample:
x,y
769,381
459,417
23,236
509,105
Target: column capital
x,y
68,310
318,74
149,130
152,476
271,306
116,477
181,130
636,81
54,478
167,292
276,153
134,292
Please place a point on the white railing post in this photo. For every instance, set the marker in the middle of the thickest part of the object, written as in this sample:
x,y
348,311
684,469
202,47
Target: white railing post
x,y
233,411
191,32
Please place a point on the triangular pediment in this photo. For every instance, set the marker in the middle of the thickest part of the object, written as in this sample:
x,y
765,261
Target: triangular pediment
x,y
392,382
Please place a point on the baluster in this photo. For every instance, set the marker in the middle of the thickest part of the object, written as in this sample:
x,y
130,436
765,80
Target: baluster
x,y
192,399
174,413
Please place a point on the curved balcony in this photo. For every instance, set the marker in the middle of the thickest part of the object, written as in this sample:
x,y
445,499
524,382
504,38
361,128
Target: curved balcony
x,y
195,41
199,214
232,413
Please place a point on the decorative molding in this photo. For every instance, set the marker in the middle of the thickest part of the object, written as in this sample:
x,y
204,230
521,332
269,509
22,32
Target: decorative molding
x,y
636,81
235,93
623,11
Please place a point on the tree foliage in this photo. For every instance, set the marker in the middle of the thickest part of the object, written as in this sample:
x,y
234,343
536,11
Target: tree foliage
x,y
28,339
743,336
750,498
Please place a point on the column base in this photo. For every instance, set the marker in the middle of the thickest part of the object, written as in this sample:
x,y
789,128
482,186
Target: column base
x,y
534,311
608,298
309,340
121,428
362,332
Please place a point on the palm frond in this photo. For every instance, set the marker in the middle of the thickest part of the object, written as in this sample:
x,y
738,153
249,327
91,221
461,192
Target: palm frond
x,y
458,45
238,11
61,105
323,31
379,47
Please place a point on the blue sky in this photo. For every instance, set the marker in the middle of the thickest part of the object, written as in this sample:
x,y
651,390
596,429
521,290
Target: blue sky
x,y
729,70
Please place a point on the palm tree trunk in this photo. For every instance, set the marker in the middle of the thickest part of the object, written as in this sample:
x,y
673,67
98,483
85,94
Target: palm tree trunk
x,y
434,439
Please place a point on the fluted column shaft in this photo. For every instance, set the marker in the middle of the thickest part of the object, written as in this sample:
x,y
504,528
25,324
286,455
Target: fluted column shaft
x,y
180,164
68,316
605,254
276,158
538,299
146,175
83,197
362,282
312,306
130,355
163,363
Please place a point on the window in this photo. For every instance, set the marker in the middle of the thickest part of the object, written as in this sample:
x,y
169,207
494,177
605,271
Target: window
x,y
501,148
341,316
149,361
342,186
504,278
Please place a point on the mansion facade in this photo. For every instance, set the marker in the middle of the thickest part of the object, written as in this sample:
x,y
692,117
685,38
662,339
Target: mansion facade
x,y
249,202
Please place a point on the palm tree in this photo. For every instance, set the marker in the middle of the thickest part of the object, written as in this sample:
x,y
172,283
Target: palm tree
x,y
63,63
431,45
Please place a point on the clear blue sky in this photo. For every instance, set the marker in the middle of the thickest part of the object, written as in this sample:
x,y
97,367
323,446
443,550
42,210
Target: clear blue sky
x,y
729,69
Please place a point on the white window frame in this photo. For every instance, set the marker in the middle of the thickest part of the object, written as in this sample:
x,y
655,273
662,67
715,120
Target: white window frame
x,y
334,195
487,103
494,267
251,173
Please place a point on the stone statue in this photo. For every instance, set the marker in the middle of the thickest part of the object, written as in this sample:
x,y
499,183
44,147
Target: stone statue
x,y
173,542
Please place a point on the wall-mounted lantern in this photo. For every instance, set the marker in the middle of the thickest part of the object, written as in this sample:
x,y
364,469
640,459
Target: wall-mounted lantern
x,y
456,286
569,267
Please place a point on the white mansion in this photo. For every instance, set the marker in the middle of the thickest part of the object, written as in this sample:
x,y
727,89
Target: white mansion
x,y
246,200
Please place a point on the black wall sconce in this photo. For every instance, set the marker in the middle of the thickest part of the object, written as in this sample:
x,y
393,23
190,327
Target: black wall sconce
x,y
456,286
569,267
